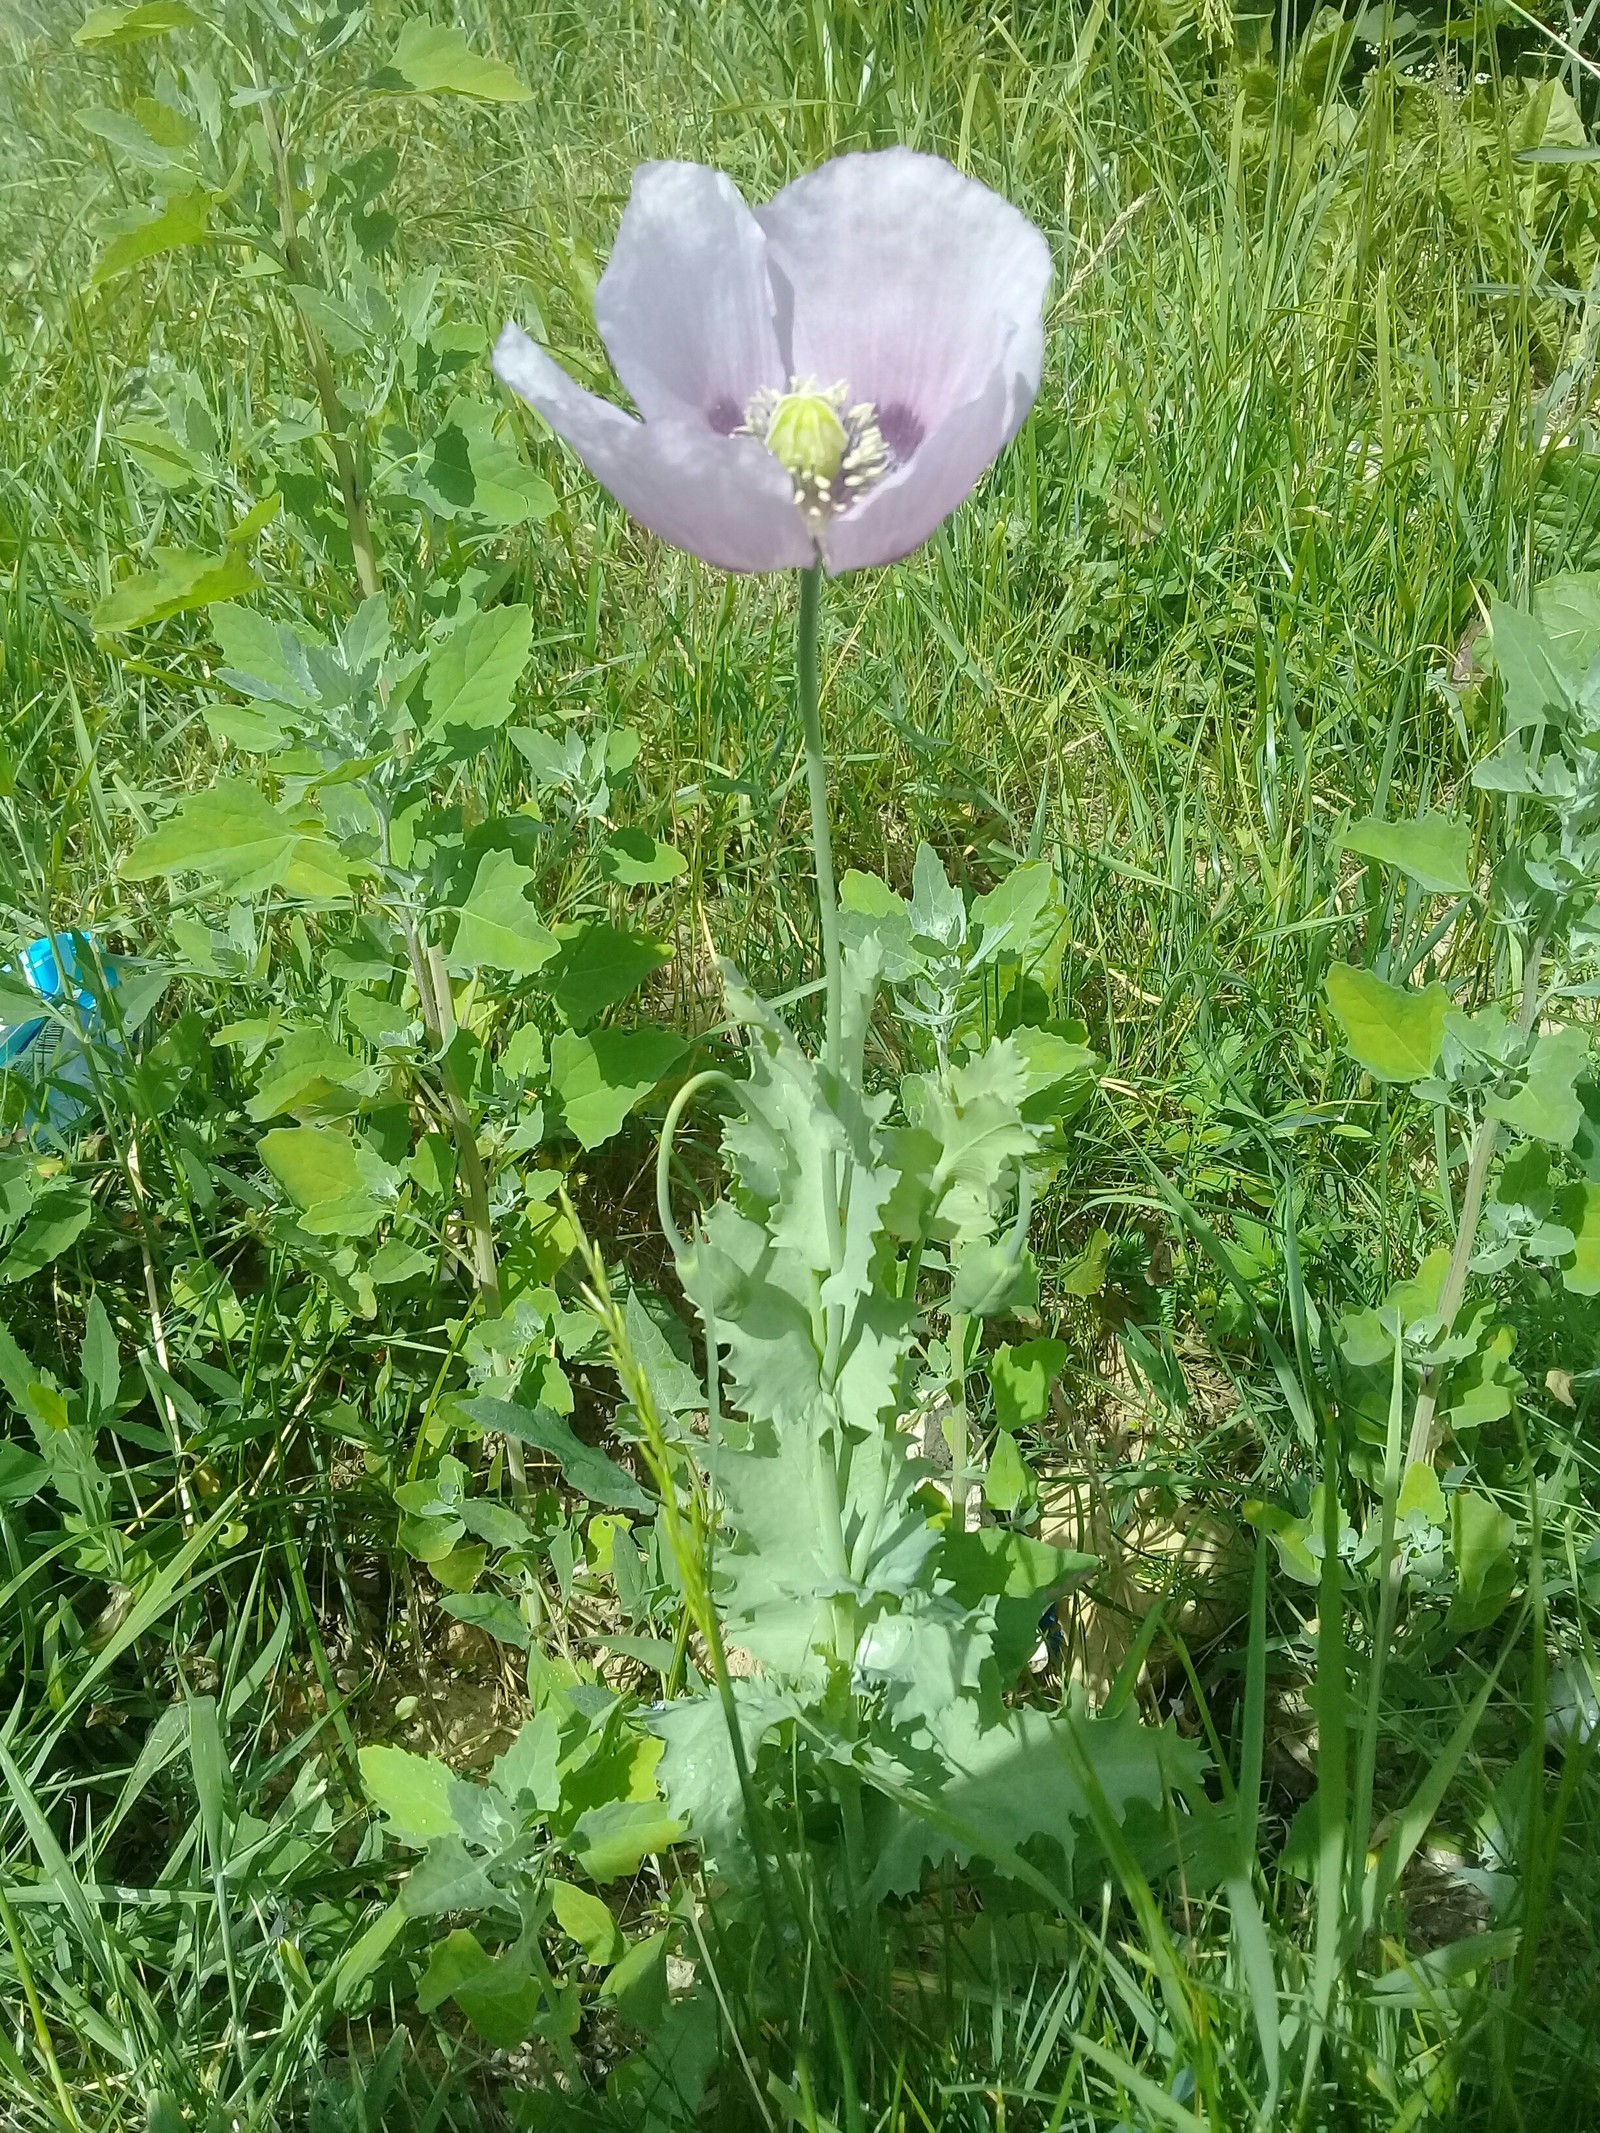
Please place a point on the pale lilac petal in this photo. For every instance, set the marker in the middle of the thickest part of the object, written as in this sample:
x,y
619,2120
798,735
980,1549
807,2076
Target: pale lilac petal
x,y
724,499
685,306
909,284
898,513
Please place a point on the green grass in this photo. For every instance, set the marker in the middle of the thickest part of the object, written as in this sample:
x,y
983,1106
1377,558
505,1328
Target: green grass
x,y
1293,433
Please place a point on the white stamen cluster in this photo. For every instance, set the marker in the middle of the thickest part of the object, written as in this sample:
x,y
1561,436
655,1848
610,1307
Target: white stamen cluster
x,y
832,450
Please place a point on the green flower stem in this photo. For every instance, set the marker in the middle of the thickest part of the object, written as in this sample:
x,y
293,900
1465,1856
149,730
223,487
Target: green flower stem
x,y
817,783
830,1510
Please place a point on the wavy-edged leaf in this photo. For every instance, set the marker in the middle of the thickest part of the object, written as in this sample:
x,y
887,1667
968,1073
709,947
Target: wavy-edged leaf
x,y
498,926
104,27
1433,851
183,221
411,1791
233,835
471,677
180,581
1395,1034
600,1077
588,1469
433,60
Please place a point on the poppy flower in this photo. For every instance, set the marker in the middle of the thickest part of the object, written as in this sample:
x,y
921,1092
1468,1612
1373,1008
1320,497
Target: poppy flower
x,y
822,379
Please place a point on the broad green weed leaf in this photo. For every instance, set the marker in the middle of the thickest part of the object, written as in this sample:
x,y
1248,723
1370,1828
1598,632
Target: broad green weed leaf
x,y
333,1182
461,1568
107,26
471,677
411,1791
634,858
466,469
1396,1035
600,1077
601,964
309,1071
182,221
993,1562
1433,851
181,581
448,1880
661,1349
589,1471
990,1278
233,835
499,927
1288,1536
615,1839
1531,678
1547,1106
974,1114
1015,1576
435,61
1086,1275
1006,1481
1021,920
171,464
503,2004
491,1612
528,1772
1483,1385
1022,1378
1420,1493
57,1218
637,1987
163,125
586,1918
335,321
937,911
1567,609
1580,1211
1480,1543
22,1475
123,132
1012,1781
456,1960
494,1522
697,1772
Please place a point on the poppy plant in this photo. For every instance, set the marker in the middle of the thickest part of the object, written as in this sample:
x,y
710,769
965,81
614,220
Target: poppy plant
x,y
820,381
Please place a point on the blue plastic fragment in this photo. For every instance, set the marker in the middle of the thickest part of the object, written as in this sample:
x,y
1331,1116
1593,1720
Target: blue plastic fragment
x,y
50,966
54,967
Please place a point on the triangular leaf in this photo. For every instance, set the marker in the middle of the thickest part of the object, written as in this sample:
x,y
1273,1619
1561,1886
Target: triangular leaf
x,y
412,1791
1433,851
234,835
180,581
599,1078
1396,1035
436,61
499,927
472,676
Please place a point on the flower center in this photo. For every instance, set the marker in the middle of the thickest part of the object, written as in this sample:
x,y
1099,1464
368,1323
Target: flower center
x,y
831,450
806,434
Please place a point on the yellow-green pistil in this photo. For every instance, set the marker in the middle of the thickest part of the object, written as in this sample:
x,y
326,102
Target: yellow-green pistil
x,y
804,433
